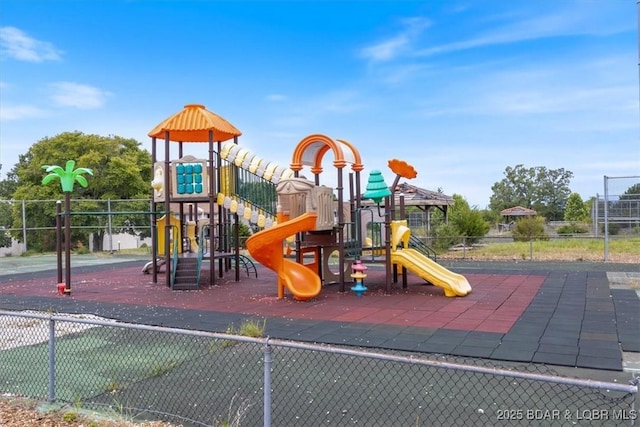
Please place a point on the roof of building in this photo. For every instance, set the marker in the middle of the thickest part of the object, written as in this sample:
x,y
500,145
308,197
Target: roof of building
x,y
518,211
416,196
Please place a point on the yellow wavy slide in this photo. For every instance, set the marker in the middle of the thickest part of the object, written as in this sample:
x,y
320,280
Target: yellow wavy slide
x,y
454,284
266,247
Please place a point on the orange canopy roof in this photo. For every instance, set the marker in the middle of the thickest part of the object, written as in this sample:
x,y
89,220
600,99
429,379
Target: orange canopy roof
x,y
193,124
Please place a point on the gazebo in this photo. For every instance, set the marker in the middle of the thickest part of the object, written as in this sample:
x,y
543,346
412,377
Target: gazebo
x,y
420,198
517,212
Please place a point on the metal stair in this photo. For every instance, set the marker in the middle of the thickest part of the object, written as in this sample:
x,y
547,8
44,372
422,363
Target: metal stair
x,y
186,274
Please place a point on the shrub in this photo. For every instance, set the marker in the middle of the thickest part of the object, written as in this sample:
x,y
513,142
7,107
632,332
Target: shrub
x,y
529,229
243,232
573,228
446,236
81,250
613,228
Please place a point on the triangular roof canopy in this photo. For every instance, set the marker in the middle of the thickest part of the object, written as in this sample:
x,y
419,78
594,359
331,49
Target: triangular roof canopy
x,y
416,196
518,211
193,124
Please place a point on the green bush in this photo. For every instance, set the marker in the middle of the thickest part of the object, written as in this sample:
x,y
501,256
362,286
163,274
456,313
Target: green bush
x,y
613,228
573,228
243,233
446,236
527,229
468,222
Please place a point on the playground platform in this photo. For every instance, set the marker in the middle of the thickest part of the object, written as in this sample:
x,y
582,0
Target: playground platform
x,y
581,315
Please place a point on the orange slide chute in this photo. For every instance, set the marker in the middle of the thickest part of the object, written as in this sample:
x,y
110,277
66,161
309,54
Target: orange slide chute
x,y
266,248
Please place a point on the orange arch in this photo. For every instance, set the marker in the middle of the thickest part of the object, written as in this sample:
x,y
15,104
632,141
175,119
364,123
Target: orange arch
x,y
308,142
327,143
357,165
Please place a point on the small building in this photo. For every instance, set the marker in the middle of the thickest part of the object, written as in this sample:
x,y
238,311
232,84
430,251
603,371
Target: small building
x,y
420,198
510,215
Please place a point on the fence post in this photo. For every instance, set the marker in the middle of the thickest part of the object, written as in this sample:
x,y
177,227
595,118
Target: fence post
x,y
606,219
24,224
464,247
266,350
52,360
109,226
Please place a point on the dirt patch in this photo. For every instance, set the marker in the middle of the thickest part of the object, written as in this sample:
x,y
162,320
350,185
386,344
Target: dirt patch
x,y
20,412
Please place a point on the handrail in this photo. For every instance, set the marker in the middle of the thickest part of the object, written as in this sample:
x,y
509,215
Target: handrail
x,y
417,244
174,260
201,247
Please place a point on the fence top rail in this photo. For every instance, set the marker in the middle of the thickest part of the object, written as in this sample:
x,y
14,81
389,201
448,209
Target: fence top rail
x,y
632,387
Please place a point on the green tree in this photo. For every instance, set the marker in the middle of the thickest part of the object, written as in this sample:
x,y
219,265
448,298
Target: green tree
x,y
632,193
5,224
539,188
627,206
122,170
468,222
7,187
576,210
445,236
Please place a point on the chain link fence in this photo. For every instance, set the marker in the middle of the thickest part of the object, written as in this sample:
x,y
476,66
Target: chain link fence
x,y
114,225
196,378
95,224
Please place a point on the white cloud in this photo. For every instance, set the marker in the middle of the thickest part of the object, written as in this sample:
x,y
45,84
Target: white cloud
x,y
276,97
83,97
571,21
398,44
16,44
20,112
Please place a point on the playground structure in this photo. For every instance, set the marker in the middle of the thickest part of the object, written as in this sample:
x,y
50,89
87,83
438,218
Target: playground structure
x,y
235,186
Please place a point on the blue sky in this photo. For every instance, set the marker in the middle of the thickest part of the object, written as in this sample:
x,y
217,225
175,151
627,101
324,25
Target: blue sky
x,y
458,89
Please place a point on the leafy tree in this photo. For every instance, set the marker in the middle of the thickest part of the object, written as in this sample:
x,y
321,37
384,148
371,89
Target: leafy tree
x,y
468,222
552,192
122,170
576,210
632,193
5,223
446,235
539,188
626,206
7,187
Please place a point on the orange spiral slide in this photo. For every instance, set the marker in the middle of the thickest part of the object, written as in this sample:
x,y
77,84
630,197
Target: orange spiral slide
x,y
266,248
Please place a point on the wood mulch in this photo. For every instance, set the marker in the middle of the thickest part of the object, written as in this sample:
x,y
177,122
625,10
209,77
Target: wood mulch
x,y
18,412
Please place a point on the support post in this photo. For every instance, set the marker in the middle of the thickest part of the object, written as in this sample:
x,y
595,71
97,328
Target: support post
x,y
67,243
59,239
